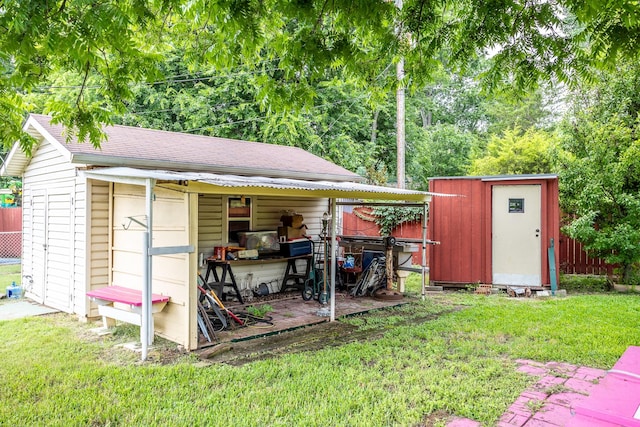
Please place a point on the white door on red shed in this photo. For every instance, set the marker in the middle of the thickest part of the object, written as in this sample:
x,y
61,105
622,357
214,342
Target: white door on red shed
x,y
516,230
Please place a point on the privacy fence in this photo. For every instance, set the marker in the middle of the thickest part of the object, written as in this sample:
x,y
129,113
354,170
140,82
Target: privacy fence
x,y
575,259
10,232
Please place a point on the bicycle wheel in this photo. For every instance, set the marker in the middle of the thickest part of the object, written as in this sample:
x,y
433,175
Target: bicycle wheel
x,y
324,297
307,291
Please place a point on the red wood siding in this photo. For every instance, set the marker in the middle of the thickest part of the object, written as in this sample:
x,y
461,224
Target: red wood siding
x,y
463,226
352,225
11,219
458,224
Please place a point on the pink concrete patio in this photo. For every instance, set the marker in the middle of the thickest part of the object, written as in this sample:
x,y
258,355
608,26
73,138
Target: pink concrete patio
x,y
549,402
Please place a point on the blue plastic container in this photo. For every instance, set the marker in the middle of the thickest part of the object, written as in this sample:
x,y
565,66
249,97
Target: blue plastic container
x,y
291,249
368,256
14,291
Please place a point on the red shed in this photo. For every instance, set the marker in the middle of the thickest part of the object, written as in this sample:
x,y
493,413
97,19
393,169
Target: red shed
x,y
497,231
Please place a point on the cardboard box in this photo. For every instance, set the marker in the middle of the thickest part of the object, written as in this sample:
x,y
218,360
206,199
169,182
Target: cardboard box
x,y
295,220
248,254
291,232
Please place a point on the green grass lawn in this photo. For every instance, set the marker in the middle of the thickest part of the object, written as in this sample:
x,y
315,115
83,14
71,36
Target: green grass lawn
x,y
460,361
8,274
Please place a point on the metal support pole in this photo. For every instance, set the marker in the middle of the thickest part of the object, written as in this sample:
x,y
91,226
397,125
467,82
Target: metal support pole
x,y
334,245
146,332
149,208
424,251
146,297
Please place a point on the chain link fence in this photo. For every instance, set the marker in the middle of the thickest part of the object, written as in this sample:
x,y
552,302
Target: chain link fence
x,y
10,247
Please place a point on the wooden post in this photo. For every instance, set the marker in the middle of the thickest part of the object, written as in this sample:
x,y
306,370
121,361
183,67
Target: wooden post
x,y
389,266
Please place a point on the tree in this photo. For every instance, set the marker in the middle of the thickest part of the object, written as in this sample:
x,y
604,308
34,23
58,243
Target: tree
x,y
444,151
120,42
600,175
516,152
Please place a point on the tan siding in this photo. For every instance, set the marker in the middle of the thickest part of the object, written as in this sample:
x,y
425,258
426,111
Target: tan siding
x,y
209,223
270,209
98,238
170,272
79,248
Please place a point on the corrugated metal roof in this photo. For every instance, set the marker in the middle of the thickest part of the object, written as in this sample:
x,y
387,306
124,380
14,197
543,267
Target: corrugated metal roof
x,y
256,185
148,148
498,177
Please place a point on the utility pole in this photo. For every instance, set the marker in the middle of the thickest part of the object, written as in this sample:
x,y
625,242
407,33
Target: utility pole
x,y
400,111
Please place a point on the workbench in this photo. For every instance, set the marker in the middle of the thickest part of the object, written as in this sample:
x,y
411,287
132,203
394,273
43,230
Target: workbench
x,y
226,271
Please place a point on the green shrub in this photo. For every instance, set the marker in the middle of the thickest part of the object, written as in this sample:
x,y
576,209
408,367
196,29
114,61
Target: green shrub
x,y
584,283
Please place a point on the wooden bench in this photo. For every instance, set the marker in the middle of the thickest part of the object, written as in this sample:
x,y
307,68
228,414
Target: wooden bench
x,y
129,308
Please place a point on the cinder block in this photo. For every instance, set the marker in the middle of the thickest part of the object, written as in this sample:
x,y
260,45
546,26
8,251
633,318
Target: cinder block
x,y
543,294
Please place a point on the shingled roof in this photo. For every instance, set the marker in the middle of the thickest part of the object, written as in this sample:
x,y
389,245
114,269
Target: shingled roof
x,y
148,148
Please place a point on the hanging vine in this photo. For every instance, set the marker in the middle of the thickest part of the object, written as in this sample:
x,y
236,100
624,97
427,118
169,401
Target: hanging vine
x,y
388,217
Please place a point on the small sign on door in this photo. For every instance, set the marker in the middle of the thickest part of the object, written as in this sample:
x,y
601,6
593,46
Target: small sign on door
x,y
516,205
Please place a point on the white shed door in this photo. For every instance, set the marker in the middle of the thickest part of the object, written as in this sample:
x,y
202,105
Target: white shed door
x,y
53,247
38,244
516,241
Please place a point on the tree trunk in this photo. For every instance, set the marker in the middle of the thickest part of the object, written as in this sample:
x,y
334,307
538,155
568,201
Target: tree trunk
x,y
426,118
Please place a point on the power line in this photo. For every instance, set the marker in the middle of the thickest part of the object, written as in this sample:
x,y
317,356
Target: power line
x,y
264,118
170,79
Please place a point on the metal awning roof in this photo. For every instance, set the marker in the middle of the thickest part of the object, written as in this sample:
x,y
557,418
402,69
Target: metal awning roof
x,y
209,183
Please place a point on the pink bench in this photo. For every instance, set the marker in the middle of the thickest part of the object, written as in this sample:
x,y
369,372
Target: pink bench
x,y
125,304
615,401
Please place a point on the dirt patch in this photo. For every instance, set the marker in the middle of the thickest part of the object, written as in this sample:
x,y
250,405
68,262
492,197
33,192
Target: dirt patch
x,y
310,338
435,418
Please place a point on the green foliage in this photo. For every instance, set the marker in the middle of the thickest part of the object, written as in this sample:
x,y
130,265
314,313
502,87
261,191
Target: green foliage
x,y
111,42
444,151
515,152
584,283
259,310
600,178
389,217
508,110
109,46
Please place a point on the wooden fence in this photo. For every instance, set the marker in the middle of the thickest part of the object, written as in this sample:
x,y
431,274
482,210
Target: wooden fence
x,y
574,259
11,219
10,232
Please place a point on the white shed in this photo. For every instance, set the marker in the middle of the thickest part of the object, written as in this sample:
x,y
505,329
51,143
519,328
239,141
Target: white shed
x,y
86,211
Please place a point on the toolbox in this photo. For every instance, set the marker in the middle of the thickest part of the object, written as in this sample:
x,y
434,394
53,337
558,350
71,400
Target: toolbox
x,y
296,248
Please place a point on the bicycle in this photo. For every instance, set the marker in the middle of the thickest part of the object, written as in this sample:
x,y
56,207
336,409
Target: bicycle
x,y
373,278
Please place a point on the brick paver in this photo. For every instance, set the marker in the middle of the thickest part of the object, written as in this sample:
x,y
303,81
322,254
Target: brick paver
x,y
561,385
